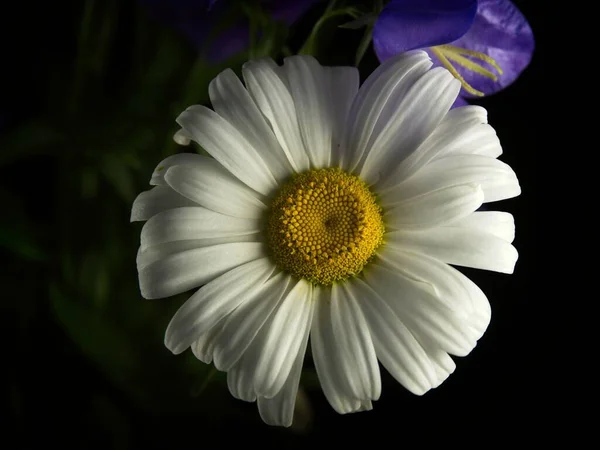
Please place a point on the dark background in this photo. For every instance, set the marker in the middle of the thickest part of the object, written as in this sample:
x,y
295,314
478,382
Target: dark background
x,y
84,362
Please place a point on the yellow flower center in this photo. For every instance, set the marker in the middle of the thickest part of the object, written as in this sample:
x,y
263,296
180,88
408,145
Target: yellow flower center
x,y
324,226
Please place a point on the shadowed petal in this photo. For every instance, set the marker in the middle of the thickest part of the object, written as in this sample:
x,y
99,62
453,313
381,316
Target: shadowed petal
x,y
213,302
291,324
327,357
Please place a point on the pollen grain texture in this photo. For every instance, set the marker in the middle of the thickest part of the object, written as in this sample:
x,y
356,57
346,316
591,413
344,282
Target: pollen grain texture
x,y
324,225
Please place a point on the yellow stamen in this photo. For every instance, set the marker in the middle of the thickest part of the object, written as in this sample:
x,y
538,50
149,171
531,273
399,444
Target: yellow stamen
x,y
448,53
448,65
473,66
482,56
324,226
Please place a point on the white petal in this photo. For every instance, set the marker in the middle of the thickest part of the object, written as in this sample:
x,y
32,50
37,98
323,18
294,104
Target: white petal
x,y
357,354
204,346
472,134
156,200
365,405
446,281
241,377
462,131
451,287
240,382
326,356
442,363
184,271
343,85
377,99
429,320
211,186
480,318
309,89
232,101
182,137
436,208
279,410
418,114
291,323
212,302
245,322
194,223
496,178
180,159
459,246
224,143
155,253
498,223
396,347
274,100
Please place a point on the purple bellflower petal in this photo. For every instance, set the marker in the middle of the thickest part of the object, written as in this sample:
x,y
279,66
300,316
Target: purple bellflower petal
x,y
500,31
411,24
460,101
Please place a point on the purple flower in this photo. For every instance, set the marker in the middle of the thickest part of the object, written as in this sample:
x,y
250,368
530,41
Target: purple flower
x,y
486,44
197,19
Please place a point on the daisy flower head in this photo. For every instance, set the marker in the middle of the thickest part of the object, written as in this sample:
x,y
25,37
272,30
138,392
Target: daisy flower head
x,y
328,215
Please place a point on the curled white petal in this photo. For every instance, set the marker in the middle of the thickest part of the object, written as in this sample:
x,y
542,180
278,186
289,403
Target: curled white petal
x,y
157,200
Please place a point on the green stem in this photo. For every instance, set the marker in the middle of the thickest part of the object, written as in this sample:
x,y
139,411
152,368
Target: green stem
x,y
80,60
104,37
209,376
141,36
364,45
367,36
257,20
311,37
307,48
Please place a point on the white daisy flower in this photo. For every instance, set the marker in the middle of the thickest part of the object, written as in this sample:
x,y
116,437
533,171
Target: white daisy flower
x,y
333,212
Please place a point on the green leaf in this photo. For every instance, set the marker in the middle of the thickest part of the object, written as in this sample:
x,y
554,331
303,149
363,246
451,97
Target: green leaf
x,y
309,47
120,177
363,21
272,41
19,233
20,240
89,183
34,138
99,340
82,57
94,278
204,381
